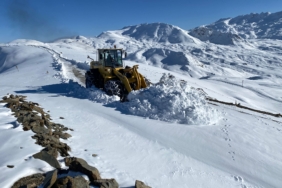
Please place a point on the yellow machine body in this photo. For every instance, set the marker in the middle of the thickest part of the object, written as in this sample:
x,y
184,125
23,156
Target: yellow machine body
x,y
109,66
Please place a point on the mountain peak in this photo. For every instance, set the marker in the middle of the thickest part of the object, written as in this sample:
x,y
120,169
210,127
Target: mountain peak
x,y
253,25
158,32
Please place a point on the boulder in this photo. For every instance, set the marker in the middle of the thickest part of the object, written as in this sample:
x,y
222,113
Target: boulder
x,y
51,151
47,157
140,184
62,135
31,181
106,183
50,179
76,182
80,165
5,98
39,129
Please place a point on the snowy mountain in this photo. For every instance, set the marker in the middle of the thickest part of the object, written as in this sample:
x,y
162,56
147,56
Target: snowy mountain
x,y
215,36
158,32
250,26
167,135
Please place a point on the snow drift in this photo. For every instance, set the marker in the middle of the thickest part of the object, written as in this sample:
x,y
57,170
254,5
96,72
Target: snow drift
x,y
172,100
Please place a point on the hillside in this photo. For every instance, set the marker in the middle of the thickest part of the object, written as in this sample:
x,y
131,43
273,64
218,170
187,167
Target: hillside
x,y
250,26
167,135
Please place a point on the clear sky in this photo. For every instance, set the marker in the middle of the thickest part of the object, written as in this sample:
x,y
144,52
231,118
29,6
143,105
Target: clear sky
x,y
46,20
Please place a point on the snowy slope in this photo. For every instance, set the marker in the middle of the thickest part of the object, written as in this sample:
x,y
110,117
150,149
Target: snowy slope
x,y
168,135
262,26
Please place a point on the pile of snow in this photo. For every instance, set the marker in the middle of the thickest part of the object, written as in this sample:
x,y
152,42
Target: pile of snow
x,y
172,100
93,94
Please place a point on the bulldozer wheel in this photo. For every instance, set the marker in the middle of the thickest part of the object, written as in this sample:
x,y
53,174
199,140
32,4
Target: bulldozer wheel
x,y
88,80
94,77
113,87
88,83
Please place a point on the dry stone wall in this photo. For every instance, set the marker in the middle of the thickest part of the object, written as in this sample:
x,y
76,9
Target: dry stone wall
x,y
47,134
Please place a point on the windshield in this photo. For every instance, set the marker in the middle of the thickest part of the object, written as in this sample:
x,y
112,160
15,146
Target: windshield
x,y
113,58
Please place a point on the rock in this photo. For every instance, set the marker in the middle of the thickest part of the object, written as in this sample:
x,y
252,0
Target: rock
x,y
50,159
33,124
50,179
65,136
38,109
26,106
29,182
10,166
51,151
140,184
80,165
62,135
94,155
106,183
80,182
76,182
26,128
62,118
40,129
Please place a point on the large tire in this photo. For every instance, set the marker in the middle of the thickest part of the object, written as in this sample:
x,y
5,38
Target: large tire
x,y
88,80
113,87
93,77
97,78
88,83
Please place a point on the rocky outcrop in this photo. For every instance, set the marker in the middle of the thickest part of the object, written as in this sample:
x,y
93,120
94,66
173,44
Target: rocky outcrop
x,y
106,183
48,134
32,117
76,182
50,159
50,179
80,165
29,181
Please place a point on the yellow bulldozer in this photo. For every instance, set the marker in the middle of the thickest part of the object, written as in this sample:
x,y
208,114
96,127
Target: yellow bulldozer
x,y
109,73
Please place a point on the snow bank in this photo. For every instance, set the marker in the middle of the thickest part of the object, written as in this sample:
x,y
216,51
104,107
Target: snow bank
x,y
172,100
12,56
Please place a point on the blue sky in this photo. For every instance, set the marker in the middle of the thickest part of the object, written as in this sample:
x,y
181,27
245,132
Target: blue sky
x,y
46,20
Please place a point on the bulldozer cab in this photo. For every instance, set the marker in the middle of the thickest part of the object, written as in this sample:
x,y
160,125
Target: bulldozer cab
x,y
110,57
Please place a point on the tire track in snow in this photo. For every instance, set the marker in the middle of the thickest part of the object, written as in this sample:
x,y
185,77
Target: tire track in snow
x,y
70,68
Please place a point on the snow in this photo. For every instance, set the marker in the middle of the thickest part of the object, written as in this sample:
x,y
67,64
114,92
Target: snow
x,y
167,135
263,25
172,100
